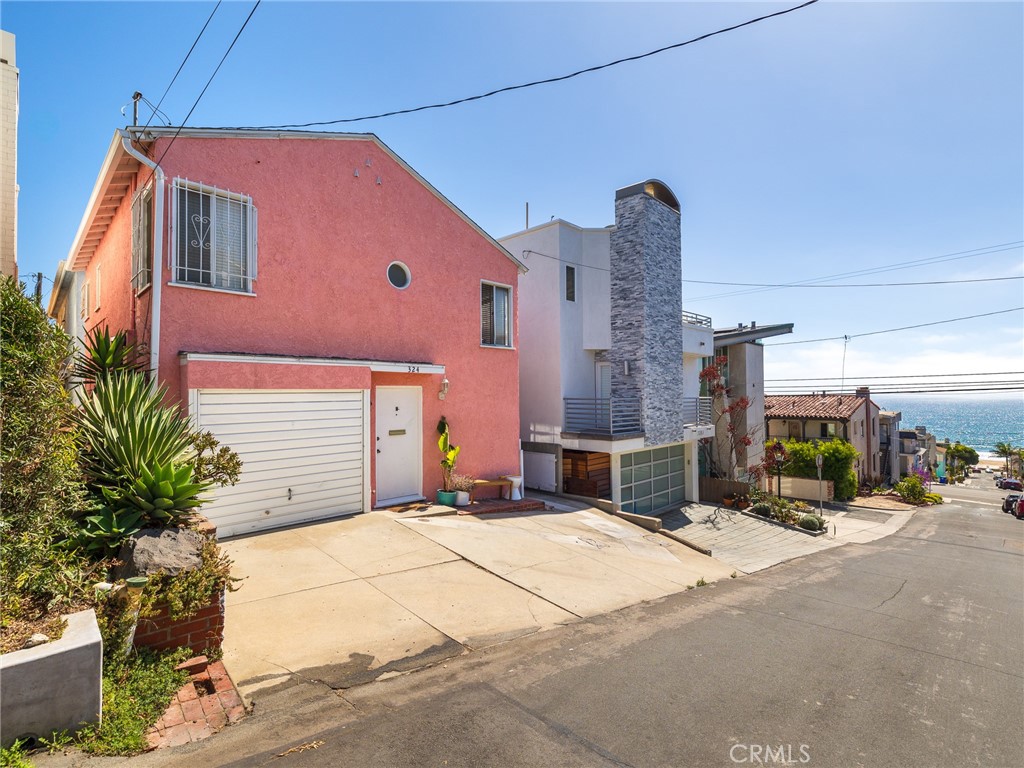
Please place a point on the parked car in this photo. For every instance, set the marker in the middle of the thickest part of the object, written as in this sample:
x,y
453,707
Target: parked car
x,y
999,481
1019,512
1013,485
1009,502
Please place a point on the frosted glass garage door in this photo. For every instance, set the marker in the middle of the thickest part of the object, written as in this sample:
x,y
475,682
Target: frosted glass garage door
x,y
652,480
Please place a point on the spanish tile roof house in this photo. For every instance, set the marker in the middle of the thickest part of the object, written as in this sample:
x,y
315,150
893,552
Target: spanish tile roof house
x,y
322,339
853,418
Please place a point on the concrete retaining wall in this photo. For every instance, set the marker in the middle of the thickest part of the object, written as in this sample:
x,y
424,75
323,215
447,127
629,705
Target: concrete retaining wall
x,y
53,687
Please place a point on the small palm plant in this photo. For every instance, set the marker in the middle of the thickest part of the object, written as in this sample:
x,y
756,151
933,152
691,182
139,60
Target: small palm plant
x,y
449,455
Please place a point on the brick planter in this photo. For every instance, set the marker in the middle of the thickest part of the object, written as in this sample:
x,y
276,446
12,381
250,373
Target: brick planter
x,y
203,632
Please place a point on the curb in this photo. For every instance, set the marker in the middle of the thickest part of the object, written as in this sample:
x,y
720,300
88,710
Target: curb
x,y
676,537
822,532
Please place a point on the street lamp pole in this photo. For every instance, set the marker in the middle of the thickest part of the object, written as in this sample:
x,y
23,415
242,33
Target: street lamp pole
x,y
819,460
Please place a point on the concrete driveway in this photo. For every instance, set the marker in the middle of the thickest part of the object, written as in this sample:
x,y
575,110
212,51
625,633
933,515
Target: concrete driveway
x,y
357,599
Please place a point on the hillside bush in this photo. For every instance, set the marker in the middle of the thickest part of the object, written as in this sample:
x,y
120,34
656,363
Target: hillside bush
x,y
40,481
910,489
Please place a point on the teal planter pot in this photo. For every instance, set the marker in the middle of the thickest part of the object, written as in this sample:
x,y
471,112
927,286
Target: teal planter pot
x,y
446,497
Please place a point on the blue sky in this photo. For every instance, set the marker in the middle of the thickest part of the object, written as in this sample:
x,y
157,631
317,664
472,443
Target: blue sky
x,y
841,137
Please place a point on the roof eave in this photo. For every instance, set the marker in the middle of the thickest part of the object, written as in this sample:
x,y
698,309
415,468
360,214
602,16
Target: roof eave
x,y
94,222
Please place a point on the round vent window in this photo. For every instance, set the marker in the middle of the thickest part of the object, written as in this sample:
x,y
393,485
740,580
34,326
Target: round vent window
x,y
398,275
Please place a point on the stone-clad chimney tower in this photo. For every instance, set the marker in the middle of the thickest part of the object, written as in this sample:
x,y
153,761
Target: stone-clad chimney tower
x,y
647,307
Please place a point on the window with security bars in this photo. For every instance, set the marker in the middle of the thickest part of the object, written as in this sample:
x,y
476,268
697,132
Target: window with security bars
x,y
142,239
495,326
215,239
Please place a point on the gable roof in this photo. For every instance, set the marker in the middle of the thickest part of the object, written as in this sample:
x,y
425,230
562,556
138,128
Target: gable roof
x,y
119,167
816,406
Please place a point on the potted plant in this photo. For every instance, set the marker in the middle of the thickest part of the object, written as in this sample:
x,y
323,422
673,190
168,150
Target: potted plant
x,y
462,485
449,455
729,499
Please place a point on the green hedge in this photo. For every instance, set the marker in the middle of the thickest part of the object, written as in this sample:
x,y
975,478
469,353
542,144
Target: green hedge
x,y
838,457
40,481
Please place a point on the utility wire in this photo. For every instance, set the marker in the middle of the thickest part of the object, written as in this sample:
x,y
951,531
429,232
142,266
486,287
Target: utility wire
x,y
198,98
907,376
180,67
857,285
547,81
155,111
894,330
955,256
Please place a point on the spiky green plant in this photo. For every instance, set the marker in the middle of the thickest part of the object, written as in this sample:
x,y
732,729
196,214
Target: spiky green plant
x,y
164,495
104,354
102,532
127,427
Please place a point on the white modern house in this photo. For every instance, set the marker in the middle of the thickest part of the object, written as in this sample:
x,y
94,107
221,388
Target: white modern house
x,y
609,364
743,372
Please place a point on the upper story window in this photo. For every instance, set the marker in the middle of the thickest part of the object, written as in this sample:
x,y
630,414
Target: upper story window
x,y
828,429
142,240
570,283
83,306
495,315
215,237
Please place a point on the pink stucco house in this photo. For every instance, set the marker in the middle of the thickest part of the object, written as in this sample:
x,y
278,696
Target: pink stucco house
x,y
314,303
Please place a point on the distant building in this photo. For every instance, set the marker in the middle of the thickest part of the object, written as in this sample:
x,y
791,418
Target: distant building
x,y
8,156
889,444
824,417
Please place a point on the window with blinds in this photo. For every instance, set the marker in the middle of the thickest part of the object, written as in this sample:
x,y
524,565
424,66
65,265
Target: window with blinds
x,y
570,283
495,304
215,237
142,239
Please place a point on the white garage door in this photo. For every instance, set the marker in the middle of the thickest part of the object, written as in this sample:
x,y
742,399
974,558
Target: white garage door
x,y
302,456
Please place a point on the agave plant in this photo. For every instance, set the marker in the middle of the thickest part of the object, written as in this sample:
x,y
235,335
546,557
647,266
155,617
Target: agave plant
x,y
164,495
104,354
103,531
128,427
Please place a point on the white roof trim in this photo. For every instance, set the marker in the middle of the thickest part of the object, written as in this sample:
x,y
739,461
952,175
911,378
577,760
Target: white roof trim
x,y
378,366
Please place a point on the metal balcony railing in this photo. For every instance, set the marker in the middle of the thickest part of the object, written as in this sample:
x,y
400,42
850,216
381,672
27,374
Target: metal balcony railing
x,y
696,411
603,416
692,318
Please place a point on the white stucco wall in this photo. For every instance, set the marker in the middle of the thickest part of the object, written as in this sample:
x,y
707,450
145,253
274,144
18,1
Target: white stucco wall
x,y
558,338
539,342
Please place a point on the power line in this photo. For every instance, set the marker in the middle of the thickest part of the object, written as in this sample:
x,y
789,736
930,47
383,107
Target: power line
x,y
955,256
180,67
857,285
200,96
847,337
906,376
521,86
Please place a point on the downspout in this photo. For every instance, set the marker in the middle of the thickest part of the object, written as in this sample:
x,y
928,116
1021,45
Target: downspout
x,y
158,250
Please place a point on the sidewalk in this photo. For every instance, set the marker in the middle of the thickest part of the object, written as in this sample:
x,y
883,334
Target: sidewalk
x,y
751,544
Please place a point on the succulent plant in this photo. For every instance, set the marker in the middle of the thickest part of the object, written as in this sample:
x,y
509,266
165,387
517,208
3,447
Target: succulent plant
x,y
165,494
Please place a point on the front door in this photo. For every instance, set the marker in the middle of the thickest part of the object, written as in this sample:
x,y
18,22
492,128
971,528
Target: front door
x,y
399,445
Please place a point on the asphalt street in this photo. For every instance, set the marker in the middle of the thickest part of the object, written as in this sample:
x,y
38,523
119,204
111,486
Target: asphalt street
x,y
908,651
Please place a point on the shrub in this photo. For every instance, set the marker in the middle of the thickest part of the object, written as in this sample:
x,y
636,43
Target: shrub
x,y
811,523
910,489
40,482
837,464
933,498
762,508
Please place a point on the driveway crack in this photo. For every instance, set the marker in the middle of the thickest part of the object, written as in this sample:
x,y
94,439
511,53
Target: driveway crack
x,y
892,596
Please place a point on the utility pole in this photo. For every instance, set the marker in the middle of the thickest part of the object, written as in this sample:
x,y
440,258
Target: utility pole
x,y
39,288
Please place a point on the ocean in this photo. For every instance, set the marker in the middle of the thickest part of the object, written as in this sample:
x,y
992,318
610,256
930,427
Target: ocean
x,y
979,422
